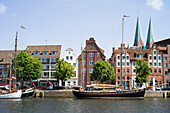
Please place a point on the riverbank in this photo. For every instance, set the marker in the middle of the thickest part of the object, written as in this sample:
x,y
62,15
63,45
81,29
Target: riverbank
x,y
69,94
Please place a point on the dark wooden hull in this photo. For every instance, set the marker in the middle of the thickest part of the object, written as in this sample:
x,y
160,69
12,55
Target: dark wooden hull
x,y
27,92
120,94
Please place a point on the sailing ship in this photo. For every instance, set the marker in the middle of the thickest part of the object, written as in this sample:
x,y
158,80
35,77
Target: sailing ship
x,y
9,93
81,93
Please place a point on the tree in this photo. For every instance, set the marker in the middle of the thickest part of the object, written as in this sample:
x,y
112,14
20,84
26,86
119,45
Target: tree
x,y
103,71
28,68
64,71
142,71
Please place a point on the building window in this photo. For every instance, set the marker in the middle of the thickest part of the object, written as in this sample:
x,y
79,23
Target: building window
x,y
52,66
155,71
165,59
53,59
84,54
123,77
150,57
166,72
151,70
154,52
123,63
118,63
159,70
44,59
159,64
53,53
1,66
118,70
84,62
44,53
91,70
98,54
44,66
74,64
67,57
134,70
91,46
127,63
46,74
138,55
127,77
127,70
123,70
71,57
118,77
91,62
150,63
159,57
74,83
166,64
84,70
134,63
127,57
91,54
68,83
123,57
154,63
154,57
118,57
35,53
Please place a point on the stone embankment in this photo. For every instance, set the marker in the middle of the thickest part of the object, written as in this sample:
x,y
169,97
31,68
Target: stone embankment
x,y
69,94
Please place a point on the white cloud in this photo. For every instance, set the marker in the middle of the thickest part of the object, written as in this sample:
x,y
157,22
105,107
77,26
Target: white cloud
x,y
155,4
2,9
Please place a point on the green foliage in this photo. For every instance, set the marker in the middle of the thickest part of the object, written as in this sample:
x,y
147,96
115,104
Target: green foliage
x,y
103,71
28,68
142,71
64,70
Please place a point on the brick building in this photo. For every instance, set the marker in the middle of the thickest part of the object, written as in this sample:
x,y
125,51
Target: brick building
x,y
49,55
150,53
164,47
91,54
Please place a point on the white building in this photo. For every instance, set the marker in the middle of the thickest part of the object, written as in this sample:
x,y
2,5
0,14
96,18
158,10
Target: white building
x,y
71,58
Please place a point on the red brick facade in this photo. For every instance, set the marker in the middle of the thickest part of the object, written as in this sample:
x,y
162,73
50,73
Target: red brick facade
x,y
91,54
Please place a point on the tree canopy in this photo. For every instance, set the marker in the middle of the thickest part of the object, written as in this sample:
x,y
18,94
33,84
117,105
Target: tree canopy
x,y
64,70
142,71
103,71
28,68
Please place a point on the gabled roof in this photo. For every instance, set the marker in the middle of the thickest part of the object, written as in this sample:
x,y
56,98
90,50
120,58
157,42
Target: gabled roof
x,y
138,34
69,49
150,36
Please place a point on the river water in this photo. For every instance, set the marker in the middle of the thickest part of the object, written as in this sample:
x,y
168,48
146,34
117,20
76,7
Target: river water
x,y
73,105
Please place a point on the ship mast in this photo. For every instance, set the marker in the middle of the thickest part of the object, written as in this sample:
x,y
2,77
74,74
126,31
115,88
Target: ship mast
x,y
121,76
82,67
15,60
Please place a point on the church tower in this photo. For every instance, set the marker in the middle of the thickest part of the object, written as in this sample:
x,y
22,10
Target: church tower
x,y
138,36
150,36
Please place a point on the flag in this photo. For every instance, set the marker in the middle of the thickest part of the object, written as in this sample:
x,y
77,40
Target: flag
x,y
126,16
13,78
22,27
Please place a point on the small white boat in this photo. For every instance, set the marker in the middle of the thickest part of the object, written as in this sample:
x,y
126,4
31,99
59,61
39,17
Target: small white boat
x,y
10,95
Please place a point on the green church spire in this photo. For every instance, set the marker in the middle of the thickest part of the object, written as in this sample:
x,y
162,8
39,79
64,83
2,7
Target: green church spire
x,y
138,35
150,36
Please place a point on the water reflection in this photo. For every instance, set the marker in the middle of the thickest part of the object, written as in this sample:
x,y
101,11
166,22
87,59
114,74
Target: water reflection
x,y
72,105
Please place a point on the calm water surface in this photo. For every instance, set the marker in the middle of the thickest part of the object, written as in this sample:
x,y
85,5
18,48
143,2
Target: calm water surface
x,y
73,105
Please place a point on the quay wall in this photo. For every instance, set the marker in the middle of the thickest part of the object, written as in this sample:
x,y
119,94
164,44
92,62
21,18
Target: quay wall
x,y
69,94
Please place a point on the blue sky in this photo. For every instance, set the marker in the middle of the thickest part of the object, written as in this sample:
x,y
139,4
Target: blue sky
x,y
70,22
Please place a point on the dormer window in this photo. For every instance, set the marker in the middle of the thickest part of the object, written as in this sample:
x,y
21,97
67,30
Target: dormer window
x,y
53,53
154,52
35,53
44,53
91,46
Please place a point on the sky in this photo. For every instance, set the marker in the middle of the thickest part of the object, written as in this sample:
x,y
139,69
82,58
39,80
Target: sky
x,y
71,22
